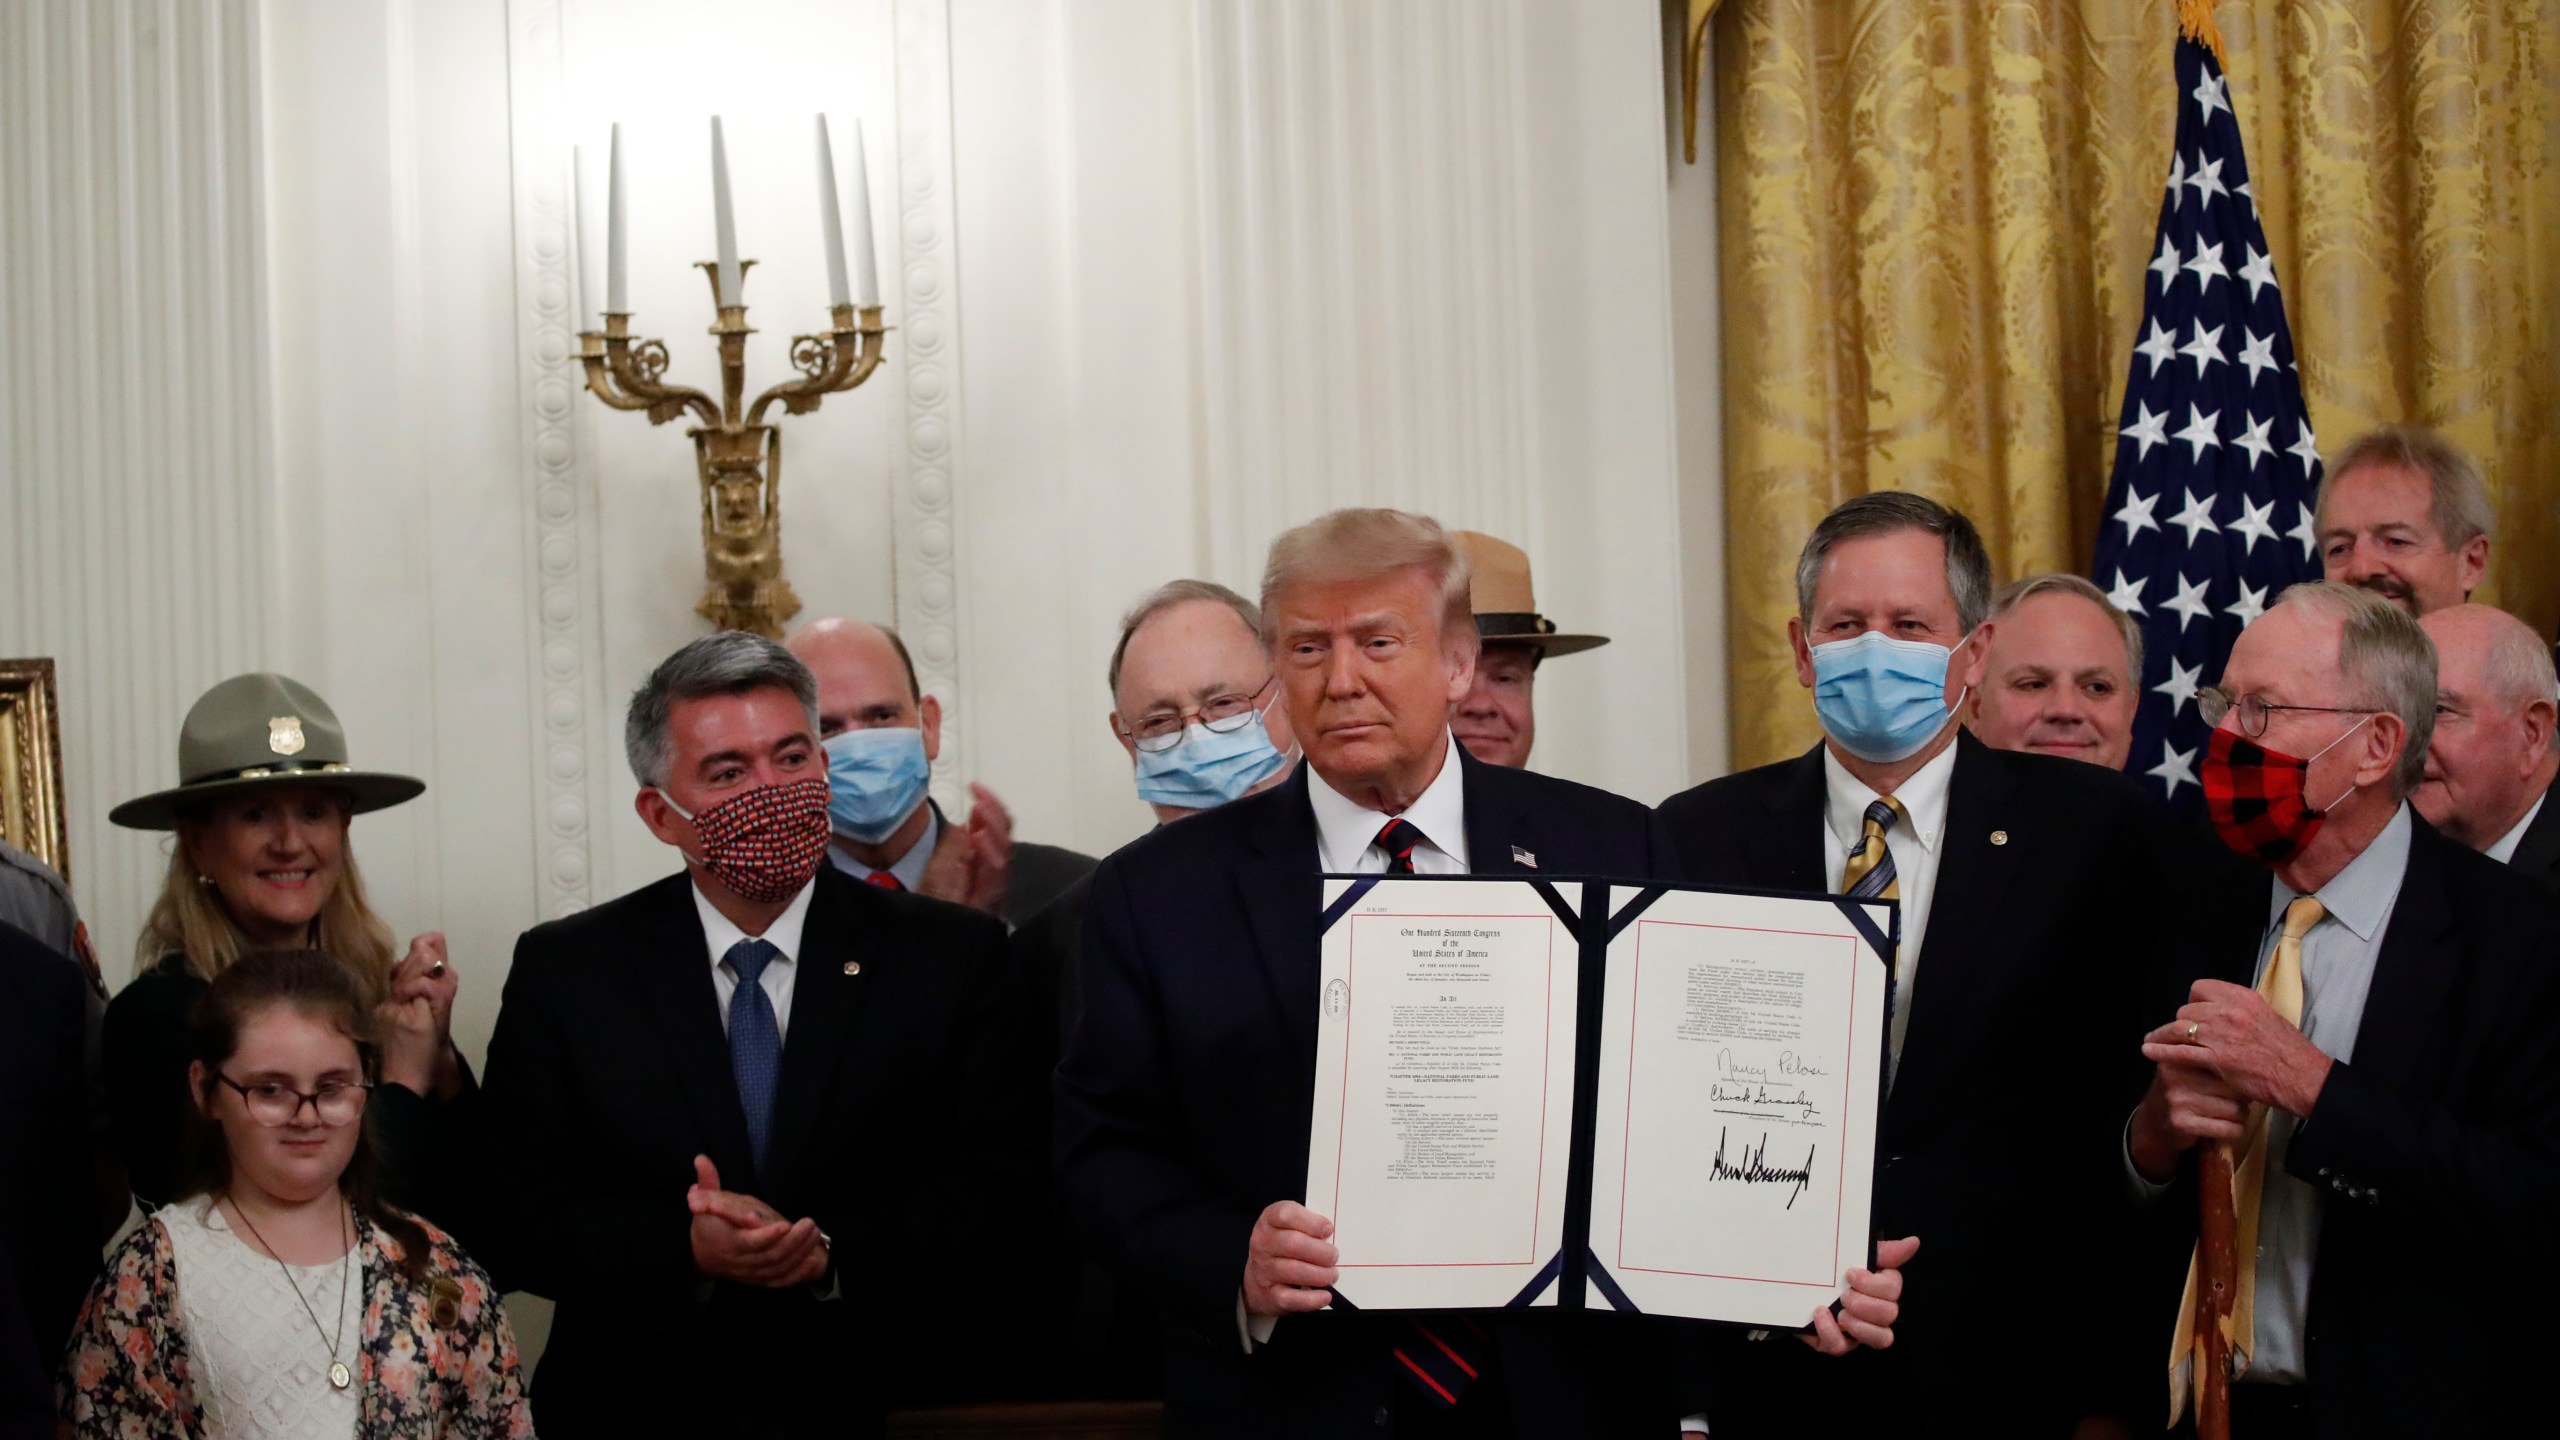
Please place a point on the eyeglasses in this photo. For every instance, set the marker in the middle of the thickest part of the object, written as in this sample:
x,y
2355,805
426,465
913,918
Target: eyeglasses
x,y
2213,702
1224,715
273,1103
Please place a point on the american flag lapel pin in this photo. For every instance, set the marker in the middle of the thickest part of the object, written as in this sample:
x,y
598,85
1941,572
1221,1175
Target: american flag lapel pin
x,y
1523,858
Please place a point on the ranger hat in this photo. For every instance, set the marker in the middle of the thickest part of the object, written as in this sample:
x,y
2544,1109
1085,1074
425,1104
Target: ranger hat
x,y
254,731
1506,607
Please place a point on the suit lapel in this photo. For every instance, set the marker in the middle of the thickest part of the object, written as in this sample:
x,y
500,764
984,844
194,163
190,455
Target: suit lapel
x,y
1277,885
826,1005
675,974
2413,972
1499,827
2538,853
1797,809
1973,881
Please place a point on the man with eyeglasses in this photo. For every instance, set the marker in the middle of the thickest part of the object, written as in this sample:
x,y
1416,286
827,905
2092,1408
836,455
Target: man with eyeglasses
x,y
1194,704
2375,1033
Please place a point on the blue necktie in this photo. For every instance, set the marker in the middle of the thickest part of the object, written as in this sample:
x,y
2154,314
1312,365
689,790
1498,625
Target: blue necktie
x,y
755,1042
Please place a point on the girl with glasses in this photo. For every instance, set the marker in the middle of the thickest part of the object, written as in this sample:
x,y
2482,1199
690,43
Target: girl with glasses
x,y
279,1297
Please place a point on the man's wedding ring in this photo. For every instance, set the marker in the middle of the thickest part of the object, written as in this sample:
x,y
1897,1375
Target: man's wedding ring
x,y
436,972
2194,1029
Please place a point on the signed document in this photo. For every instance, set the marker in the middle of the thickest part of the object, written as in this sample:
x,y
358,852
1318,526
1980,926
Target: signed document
x,y
1656,1099
1741,1057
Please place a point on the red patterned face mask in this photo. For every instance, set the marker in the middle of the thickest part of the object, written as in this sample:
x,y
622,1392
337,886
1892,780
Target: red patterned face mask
x,y
2255,795
764,843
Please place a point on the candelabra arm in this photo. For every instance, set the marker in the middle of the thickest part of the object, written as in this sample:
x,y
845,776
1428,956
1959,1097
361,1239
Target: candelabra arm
x,y
838,360
625,375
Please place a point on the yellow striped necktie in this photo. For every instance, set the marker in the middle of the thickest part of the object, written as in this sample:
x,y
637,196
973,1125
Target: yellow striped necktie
x,y
2281,987
1869,873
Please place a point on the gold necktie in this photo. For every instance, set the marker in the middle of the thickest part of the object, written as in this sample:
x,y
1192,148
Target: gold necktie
x,y
2281,988
1871,852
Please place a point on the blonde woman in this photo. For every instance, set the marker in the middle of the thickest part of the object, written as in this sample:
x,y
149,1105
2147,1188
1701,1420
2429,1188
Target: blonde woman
x,y
262,861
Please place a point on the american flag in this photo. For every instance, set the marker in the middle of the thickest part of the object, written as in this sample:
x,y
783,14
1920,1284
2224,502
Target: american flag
x,y
2208,516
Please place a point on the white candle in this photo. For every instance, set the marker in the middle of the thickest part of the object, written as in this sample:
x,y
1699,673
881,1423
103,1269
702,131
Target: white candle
x,y
870,264
722,218
586,239
617,250
831,221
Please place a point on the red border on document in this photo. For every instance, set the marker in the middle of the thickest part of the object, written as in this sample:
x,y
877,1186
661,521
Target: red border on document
x,y
1546,1057
1840,1198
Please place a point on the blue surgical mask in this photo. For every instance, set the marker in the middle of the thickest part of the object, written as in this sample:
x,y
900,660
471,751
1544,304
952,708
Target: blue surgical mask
x,y
1208,769
1880,698
875,779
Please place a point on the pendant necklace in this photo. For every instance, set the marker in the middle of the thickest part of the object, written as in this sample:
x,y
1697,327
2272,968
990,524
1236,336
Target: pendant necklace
x,y
339,1378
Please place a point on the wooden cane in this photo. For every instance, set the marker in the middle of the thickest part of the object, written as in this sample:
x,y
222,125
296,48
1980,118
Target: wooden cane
x,y
2217,1284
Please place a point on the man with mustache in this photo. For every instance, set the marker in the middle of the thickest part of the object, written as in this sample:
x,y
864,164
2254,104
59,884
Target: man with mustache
x,y
2404,514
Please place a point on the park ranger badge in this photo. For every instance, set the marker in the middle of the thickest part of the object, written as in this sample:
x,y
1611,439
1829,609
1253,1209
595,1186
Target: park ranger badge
x,y
284,734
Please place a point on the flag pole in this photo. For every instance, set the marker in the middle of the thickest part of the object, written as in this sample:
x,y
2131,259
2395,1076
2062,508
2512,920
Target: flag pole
x,y
2217,1278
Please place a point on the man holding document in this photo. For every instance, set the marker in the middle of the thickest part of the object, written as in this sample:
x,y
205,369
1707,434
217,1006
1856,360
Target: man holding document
x,y
1185,1097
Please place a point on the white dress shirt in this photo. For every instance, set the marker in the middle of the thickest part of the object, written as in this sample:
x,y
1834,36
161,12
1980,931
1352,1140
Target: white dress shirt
x,y
779,973
1915,843
2504,852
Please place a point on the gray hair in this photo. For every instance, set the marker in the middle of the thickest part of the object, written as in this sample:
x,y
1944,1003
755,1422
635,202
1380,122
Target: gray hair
x,y
2388,663
1368,544
2458,500
1164,597
728,662
1883,512
2018,592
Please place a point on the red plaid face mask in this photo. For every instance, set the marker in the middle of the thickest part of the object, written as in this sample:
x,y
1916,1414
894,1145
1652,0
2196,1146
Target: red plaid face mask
x,y
767,842
2255,795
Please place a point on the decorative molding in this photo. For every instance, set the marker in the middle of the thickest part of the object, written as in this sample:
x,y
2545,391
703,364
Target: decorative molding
x,y
137,524
566,642
925,522
1365,293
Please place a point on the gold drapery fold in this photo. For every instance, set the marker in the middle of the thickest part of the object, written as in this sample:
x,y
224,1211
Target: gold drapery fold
x,y
1935,218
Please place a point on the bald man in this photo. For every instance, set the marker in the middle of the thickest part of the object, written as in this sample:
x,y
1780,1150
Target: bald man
x,y
2491,765
882,734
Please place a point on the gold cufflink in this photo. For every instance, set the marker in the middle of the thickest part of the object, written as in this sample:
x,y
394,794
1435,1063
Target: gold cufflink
x,y
853,967
1999,837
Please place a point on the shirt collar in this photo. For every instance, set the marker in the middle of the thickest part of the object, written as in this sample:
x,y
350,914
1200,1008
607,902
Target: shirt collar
x,y
1923,798
2360,896
909,868
2504,852
1345,827
783,934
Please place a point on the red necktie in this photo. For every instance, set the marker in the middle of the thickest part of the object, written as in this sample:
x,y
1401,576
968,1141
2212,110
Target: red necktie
x,y
1398,837
885,880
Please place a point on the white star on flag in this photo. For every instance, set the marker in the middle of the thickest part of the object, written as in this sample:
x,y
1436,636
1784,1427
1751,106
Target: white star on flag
x,y
2251,604
2127,594
2205,348
2177,177
2135,513
2176,767
2196,518
2211,96
2302,530
2189,604
2255,522
2147,430
2207,265
2305,449
2258,352
2180,687
2243,189
2258,270
2165,264
2200,432
2253,438
2206,179
2159,347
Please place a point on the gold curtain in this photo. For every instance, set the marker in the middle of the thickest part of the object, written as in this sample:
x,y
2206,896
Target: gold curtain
x,y
1935,217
